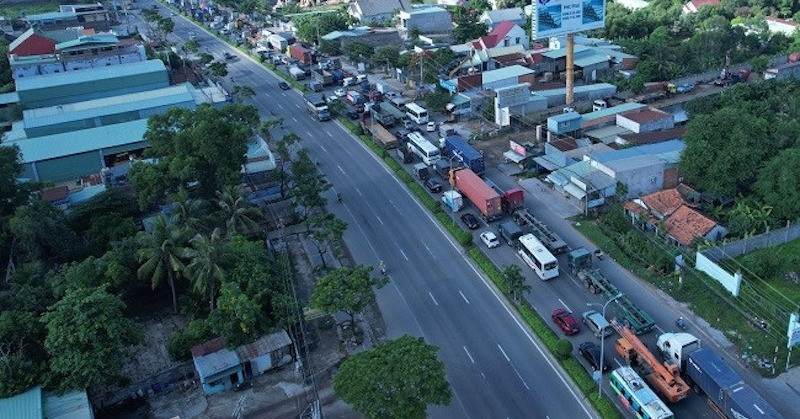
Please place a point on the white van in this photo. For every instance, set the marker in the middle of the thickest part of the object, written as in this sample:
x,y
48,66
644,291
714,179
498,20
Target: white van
x,y
596,323
349,81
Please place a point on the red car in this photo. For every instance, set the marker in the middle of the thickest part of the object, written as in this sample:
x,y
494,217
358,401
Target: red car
x,y
565,321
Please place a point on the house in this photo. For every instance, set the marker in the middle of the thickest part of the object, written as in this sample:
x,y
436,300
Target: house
x,y
492,18
591,62
92,15
426,20
646,120
491,79
38,404
218,367
651,137
376,10
666,212
784,26
783,71
505,34
268,352
695,5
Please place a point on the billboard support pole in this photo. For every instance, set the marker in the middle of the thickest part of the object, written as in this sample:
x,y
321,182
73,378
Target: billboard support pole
x,y
570,67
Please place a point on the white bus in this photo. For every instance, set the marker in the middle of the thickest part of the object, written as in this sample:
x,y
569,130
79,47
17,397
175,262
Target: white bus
x,y
637,396
416,113
533,252
420,146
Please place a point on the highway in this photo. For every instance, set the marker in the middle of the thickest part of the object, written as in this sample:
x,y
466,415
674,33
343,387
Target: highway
x,y
496,368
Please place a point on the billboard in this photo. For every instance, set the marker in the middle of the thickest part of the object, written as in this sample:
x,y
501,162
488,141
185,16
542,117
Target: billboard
x,y
560,17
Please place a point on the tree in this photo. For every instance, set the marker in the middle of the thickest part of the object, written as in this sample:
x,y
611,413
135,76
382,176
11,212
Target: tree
x,y
207,256
346,289
238,214
284,150
309,184
311,27
358,50
12,192
240,93
266,127
40,230
205,58
515,281
390,55
205,145
192,45
325,229
779,186
468,27
437,101
397,379
22,355
86,335
189,213
218,68
162,253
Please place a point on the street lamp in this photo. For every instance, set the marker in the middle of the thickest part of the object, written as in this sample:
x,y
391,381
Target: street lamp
x,y
602,341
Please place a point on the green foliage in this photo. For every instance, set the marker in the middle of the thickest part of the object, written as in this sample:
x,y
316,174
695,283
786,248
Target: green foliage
x,y
192,45
311,26
218,68
23,361
778,184
345,289
161,254
181,343
437,101
41,232
237,213
563,349
489,269
468,27
358,51
308,184
150,182
388,55
326,231
14,193
329,47
398,378
515,281
86,335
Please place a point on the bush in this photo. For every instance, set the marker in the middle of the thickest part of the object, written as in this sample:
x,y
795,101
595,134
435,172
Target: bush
x,y
563,350
196,332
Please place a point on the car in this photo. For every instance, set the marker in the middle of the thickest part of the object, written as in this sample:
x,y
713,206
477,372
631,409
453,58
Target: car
x,y
431,127
470,221
433,185
565,321
352,113
283,85
339,92
228,55
685,88
490,239
193,36
591,353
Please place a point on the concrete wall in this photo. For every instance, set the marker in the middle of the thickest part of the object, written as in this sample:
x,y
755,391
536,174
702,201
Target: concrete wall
x,y
641,180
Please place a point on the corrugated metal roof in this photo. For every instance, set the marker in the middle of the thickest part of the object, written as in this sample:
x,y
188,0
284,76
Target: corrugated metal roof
x,y
81,141
608,134
505,73
578,89
27,405
89,75
634,162
168,96
264,345
602,113
591,58
666,148
6,98
86,40
53,15
74,405
216,362
578,153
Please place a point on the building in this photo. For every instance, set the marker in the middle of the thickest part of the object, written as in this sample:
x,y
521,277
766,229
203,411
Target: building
x,y
376,10
268,352
76,123
426,20
783,71
591,62
218,367
646,120
504,34
784,26
92,16
38,404
695,5
491,79
492,18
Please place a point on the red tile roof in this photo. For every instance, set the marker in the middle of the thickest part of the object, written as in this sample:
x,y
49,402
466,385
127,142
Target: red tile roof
x,y
645,115
208,347
495,36
663,202
654,136
31,43
685,224
700,3
54,194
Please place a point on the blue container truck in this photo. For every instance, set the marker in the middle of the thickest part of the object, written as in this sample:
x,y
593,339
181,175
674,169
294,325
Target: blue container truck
x,y
455,146
725,388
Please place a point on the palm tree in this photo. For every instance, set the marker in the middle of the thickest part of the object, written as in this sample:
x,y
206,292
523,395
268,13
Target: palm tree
x,y
515,281
188,212
161,252
205,270
239,215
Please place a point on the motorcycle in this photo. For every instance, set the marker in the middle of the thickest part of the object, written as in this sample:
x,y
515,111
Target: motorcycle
x,y
681,324
598,254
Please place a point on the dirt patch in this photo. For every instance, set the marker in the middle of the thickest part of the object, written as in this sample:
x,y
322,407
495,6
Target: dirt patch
x,y
152,357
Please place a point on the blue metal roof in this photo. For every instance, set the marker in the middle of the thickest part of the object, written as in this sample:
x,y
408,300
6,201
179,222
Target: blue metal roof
x,y
53,16
665,147
87,40
89,75
73,405
27,405
216,362
602,113
565,117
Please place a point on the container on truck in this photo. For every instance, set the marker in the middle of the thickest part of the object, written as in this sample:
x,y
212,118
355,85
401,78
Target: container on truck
x,y
354,98
323,77
301,53
381,114
453,200
315,86
512,199
455,146
381,135
405,155
297,73
442,167
421,171
317,107
510,232
478,192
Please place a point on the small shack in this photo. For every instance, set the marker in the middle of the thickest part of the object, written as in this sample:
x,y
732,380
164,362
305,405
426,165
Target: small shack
x,y
268,352
219,368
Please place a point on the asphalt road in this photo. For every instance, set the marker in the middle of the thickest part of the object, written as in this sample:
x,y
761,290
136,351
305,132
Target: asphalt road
x,y
496,369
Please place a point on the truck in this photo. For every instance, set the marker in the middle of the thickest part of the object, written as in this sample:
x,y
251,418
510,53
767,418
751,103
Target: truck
x,y
301,53
664,377
723,386
297,73
580,264
354,98
323,77
550,240
512,199
381,135
510,232
317,107
382,115
421,171
456,147
478,192
727,77
442,167
453,200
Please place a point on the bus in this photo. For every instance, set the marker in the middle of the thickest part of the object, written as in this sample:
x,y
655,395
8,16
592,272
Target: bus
x,y
636,396
420,146
416,113
535,255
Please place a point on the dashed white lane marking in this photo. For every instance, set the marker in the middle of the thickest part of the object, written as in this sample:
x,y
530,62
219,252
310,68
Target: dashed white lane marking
x,y
468,354
432,298
504,352
404,254
463,296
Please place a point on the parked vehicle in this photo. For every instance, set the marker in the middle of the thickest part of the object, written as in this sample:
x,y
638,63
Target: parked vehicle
x,y
590,351
433,184
297,73
596,323
478,192
726,77
382,115
551,240
354,98
339,92
453,200
422,173
283,85
723,386
315,86
228,56
489,239
381,135
352,113
510,232
430,127
442,167
455,146
301,53
512,199
565,321
470,221
317,107
323,77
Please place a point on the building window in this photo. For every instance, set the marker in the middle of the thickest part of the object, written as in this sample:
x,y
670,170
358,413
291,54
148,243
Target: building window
x,y
516,41
505,42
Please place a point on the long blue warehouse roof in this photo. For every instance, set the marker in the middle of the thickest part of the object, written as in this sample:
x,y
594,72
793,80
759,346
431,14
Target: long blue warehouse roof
x,y
89,75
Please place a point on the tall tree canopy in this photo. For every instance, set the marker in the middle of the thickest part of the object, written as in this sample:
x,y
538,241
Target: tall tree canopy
x,y
311,26
396,379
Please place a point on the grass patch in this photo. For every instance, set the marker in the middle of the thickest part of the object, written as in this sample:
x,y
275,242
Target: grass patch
x,y
14,11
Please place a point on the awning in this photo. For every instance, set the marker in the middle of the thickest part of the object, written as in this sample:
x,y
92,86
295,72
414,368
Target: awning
x,y
575,191
546,163
513,156
557,179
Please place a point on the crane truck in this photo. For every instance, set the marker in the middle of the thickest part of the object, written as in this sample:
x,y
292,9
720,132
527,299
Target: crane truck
x,y
664,377
729,396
